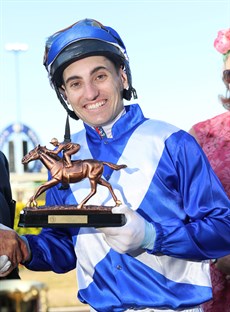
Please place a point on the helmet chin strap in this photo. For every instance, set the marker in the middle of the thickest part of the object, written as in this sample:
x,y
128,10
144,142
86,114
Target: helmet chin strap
x,y
67,137
128,94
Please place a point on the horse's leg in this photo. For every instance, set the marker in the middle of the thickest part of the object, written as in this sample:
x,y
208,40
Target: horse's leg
x,y
108,185
93,184
40,190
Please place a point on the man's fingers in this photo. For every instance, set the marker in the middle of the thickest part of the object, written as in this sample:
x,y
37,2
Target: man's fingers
x,y
120,209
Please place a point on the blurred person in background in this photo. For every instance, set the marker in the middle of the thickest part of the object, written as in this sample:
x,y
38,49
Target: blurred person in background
x,y
213,135
7,213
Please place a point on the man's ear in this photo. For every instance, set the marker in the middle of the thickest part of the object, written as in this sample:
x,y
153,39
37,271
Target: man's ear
x,y
124,79
62,91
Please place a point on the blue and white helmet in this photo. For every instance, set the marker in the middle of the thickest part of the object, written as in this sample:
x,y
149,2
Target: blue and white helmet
x,y
85,38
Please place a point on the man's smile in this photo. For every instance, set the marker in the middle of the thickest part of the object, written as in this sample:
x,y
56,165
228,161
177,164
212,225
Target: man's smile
x,y
95,105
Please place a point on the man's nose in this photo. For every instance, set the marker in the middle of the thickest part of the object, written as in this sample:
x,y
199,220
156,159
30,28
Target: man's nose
x,y
91,91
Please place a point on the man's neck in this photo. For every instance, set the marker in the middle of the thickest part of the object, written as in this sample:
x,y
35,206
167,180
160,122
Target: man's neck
x,y
107,129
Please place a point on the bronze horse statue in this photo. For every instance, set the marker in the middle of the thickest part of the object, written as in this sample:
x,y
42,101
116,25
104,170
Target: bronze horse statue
x,y
81,169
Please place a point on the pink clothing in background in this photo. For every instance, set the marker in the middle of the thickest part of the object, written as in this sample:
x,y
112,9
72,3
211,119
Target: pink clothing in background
x,y
213,136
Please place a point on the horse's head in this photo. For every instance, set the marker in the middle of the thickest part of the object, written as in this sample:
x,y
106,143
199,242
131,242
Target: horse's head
x,y
32,155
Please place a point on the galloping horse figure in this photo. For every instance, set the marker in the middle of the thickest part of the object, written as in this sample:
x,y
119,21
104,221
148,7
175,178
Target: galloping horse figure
x,y
81,169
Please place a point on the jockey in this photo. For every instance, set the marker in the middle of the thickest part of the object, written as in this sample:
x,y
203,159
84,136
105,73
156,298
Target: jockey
x,y
68,149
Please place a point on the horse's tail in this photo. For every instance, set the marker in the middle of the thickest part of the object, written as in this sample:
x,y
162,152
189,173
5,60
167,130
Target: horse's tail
x,y
113,166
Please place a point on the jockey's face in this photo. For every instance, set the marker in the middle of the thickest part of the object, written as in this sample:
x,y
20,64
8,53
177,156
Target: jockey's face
x,y
94,87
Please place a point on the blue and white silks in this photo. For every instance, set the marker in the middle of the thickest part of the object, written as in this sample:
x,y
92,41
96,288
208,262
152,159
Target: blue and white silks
x,y
169,181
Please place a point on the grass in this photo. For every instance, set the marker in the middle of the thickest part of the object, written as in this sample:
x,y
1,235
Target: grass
x,y
61,288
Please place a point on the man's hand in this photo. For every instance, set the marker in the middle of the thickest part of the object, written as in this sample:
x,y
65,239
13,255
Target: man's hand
x,y
13,250
136,233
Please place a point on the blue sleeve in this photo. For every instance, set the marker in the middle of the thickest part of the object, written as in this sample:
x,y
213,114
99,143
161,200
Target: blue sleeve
x,y
52,250
203,229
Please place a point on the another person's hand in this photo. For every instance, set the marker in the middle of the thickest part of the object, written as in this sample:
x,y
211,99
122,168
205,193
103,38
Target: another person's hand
x,y
136,233
13,250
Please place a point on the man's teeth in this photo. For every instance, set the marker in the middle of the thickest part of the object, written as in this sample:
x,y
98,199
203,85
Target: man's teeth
x,y
96,105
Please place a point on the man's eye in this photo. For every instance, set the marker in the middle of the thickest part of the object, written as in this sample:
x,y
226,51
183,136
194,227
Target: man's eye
x,y
75,84
101,77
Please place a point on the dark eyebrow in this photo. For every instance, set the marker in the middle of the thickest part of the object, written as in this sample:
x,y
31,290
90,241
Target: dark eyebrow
x,y
93,71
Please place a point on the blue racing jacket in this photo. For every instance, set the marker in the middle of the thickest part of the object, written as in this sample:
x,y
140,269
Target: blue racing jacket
x,y
168,181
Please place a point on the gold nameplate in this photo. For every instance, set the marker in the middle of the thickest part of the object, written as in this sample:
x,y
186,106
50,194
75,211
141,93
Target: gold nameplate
x,y
52,219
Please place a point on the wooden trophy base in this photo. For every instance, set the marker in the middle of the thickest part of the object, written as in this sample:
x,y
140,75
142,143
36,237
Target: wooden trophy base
x,y
70,216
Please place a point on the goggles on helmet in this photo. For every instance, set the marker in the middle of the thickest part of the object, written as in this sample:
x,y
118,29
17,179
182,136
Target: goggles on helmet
x,y
85,38
84,29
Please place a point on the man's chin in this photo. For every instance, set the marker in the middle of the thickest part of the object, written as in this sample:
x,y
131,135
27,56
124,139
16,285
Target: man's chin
x,y
94,124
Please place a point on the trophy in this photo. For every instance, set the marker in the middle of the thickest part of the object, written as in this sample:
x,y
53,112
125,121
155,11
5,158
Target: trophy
x,y
65,171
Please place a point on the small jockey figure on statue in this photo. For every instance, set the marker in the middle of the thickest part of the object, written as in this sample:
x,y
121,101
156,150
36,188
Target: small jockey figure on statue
x,y
68,149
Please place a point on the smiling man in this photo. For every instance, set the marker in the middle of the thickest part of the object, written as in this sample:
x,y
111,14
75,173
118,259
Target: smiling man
x,y
177,213
94,87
